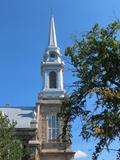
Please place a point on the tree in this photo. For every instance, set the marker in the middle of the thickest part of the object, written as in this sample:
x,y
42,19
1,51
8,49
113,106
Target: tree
x,y
96,64
10,147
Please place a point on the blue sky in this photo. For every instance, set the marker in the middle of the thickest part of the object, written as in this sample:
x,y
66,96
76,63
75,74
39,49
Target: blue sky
x,y
24,28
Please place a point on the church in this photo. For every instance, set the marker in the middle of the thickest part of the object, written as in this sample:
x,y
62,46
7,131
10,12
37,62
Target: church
x,y
39,126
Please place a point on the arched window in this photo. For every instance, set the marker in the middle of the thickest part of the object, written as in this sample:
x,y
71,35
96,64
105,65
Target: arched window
x,y
52,80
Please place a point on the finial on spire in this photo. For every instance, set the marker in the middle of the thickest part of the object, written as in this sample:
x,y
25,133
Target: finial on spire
x,y
52,34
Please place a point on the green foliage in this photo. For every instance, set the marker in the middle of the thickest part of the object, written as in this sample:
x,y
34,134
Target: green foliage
x,y
96,63
10,147
65,114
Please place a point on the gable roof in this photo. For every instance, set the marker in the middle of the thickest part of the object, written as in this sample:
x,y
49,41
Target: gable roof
x,y
22,115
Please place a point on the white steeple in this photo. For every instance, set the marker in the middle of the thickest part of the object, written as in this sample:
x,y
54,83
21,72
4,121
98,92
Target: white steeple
x,y
52,68
52,34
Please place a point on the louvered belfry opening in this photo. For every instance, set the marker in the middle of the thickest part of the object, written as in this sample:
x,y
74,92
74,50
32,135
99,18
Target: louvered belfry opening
x,y
52,80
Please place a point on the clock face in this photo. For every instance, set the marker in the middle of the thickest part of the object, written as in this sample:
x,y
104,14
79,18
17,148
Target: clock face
x,y
52,54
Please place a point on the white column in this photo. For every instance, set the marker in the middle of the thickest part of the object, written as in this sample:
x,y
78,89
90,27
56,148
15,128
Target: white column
x,y
46,79
43,80
60,79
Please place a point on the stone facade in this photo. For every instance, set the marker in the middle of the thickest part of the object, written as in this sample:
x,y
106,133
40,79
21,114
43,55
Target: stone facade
x,y
50,149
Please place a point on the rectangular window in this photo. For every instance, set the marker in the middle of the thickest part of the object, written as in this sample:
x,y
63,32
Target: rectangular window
x,y
53,127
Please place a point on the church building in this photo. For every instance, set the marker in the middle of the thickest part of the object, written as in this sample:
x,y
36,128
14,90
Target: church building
x,y
39,126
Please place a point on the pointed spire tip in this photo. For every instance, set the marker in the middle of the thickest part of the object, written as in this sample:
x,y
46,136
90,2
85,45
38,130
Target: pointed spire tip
x,y
52,33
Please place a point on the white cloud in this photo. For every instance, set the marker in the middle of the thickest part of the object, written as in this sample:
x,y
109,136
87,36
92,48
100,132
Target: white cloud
x,y
80,154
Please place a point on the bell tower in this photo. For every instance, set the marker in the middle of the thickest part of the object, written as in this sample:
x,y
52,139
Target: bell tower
x,y
52,68
50,102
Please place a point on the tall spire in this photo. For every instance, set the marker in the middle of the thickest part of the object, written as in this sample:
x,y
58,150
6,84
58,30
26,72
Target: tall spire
x,y
52,34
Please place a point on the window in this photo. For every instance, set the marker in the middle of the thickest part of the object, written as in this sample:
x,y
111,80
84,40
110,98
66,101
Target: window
x,y
53,127
52,54
52,80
